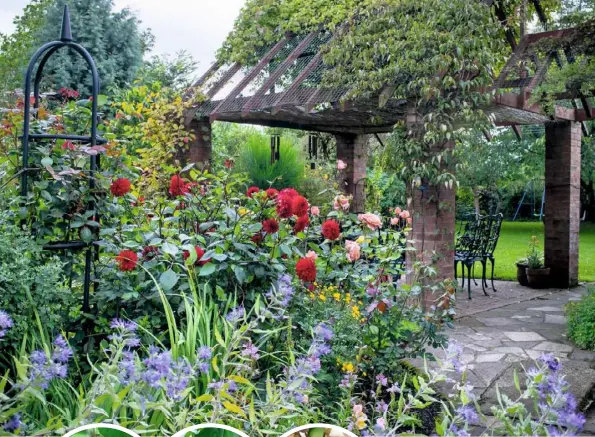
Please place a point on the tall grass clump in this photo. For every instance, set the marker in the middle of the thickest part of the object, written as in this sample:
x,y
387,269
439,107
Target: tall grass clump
x,y
255,160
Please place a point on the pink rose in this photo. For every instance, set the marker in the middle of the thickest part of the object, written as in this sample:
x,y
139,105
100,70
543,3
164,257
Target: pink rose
x,y
341,165
409,220
315,211
353,251
395,221
405,214
372,221
341,202
398,211
312,255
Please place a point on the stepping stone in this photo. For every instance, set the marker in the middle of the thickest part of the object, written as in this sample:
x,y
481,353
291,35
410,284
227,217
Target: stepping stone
x,y
510,350
555,319
475,348
583,355
524,336
550,346
521,317
547,309
489,358
495,321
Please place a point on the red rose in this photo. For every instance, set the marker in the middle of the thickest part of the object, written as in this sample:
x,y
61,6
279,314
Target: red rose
x,y
150,252
257,238
289,192
177,186
68,145
251,191
330,230
127,260
199,254
306,270
120,187
272,193
299,206
270,226
301,223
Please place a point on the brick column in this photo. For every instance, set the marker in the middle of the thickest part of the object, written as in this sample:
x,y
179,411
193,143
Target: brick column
x,y
434,225
562,201
200,148
353,150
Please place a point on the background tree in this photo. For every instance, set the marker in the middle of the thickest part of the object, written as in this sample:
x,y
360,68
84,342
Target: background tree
x,y
114,39
16,48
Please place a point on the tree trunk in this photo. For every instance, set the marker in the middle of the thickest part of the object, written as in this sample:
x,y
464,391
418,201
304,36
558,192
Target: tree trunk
x,y
476,200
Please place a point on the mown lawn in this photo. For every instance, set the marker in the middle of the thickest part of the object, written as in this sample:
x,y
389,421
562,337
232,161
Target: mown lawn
x,y
513,245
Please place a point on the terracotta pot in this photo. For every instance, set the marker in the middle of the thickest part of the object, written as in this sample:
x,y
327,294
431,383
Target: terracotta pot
x,y
538,278
521,274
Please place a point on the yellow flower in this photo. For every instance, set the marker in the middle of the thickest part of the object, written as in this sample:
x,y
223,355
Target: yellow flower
x,y
361,240
322,297
348,368
360,423
312,296
243,211
355,312
362,320
337,297
348,297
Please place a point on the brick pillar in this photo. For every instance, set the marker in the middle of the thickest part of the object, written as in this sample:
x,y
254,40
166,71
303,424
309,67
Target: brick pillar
x,y
433,229
562,201
200,148
353,150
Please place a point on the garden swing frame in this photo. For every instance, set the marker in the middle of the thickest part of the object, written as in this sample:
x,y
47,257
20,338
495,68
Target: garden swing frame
x,y
40,58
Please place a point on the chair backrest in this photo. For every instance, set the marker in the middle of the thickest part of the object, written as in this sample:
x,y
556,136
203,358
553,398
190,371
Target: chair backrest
x,y
470,239
495,226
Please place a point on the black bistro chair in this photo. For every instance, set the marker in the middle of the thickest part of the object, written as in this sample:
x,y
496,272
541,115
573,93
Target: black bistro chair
x,y
494,226
469,250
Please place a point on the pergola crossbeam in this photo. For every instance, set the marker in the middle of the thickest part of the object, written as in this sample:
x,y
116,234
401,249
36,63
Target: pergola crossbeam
x,y
252,75
285,65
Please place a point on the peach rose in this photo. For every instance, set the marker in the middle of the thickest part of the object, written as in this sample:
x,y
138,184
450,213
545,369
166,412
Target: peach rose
x,y
409,220
398,211
312,255
341,165
315,211
372,221
353,251
395,221
341,202
405,214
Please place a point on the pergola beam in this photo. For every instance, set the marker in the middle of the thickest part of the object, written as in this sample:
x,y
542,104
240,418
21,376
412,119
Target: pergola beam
x,y
252,75
285,65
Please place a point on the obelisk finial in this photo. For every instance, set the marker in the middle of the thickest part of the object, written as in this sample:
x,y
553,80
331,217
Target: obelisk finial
x,y
66,35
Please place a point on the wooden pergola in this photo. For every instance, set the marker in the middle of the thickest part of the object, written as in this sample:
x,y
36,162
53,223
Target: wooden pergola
x,y
284,88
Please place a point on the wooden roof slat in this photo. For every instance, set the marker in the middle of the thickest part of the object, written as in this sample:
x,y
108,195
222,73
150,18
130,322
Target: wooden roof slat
x,y
250,76
285,65
201,81
316,60
517,55
229,74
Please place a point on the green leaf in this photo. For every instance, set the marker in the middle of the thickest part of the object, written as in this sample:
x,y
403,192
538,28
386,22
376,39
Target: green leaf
x,y
170,248
207,269
168,279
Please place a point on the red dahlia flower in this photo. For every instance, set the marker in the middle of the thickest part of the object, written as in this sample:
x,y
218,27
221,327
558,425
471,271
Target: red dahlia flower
x,y
120,187
289,192
306,270
199,254
301,223
150,252
127,260
251,191
299,206
257,238
270,226
178,186
331,230
272,193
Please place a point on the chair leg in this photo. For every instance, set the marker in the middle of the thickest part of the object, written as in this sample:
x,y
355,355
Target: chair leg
x,y
469,281
462,275
493,260
473,274
456,274
483,276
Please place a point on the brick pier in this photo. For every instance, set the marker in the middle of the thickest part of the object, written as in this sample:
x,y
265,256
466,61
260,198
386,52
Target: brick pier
x,y
353,150
562,201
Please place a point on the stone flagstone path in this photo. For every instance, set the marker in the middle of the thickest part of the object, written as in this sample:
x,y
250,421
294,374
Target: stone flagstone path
x,y
511,328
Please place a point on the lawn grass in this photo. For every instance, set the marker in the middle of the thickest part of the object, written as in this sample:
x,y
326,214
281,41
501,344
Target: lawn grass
x,y
513,245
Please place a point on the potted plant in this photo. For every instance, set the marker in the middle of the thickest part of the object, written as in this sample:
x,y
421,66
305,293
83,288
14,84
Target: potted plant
x,y
521,272
537,274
